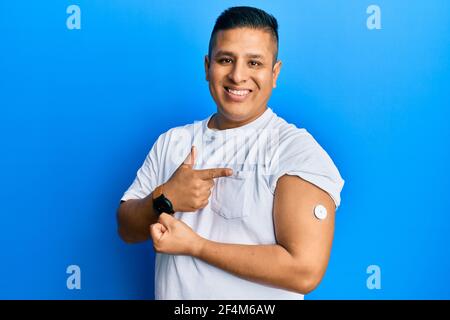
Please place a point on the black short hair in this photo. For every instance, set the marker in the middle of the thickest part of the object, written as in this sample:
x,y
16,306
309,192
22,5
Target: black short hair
x,y
240,17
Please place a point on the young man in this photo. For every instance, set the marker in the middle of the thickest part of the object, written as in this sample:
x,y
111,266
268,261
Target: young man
x,y
247,210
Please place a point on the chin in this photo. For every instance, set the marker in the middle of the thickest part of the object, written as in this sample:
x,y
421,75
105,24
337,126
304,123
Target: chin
x,y
235,112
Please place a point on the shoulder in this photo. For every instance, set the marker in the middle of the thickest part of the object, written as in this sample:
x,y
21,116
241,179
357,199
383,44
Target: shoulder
x,y
299,153
292,139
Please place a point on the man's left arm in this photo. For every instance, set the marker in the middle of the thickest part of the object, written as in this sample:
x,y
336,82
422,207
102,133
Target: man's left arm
x,y
298,260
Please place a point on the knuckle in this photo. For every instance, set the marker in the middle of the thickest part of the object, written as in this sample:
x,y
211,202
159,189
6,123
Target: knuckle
x,y
183,168
198,203
196,184
203,204
189,174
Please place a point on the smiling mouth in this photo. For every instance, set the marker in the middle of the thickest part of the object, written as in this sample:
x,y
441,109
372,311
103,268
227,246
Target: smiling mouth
x,y
238,92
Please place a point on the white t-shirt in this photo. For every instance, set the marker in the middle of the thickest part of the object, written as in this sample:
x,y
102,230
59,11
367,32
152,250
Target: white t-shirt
x,y
240,206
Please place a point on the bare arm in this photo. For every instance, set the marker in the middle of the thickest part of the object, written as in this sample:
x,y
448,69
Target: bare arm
x,y
298,260
134,218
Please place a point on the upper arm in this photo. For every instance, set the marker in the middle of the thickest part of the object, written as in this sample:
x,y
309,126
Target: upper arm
x,y
305,237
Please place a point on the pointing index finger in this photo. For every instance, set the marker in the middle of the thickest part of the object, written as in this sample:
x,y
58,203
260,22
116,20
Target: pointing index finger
x,y
207,174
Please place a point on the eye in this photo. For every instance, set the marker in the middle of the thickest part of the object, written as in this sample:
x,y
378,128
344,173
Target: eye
x,y
254,63
225,61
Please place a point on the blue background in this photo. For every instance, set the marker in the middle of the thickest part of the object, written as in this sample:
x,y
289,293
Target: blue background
x,y
80,109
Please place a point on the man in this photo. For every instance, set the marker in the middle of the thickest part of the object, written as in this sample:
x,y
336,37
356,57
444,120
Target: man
x,y
242,204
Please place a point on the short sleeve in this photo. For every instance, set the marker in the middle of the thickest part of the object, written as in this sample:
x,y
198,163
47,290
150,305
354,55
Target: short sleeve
x,y
302,156
146,177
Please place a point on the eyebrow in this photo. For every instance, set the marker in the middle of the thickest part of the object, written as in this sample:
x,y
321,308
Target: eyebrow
x,y
229,53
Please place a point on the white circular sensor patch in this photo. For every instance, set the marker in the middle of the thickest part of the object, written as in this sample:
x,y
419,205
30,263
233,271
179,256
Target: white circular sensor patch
x,y
320,212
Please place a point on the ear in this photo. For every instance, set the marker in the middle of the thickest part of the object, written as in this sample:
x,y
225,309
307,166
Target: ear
x,y
276,72
207,67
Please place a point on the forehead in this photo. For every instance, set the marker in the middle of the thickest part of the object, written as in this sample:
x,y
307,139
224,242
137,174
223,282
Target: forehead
x,y
242,41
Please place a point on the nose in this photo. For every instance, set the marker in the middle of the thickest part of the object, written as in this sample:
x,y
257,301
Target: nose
x,y
238,73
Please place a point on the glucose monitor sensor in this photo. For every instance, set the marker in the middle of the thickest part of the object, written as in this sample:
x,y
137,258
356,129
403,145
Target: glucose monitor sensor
x,y
320,212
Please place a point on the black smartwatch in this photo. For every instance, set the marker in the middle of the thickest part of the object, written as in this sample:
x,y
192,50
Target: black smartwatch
x,y
160,202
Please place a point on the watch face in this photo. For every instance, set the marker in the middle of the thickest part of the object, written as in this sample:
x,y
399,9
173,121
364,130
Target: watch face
x,y
162,204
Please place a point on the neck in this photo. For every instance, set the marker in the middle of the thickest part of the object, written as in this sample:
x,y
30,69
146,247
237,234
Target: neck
x,y
219,122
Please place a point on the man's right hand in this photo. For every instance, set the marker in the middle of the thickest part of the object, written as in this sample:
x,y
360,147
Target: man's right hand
x,y
189,189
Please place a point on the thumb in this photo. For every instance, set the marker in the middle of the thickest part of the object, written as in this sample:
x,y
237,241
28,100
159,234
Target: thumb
x,y
190,159
166,220
157,230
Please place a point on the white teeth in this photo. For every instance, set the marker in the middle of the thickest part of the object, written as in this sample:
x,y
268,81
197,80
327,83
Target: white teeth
x,y
238,92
